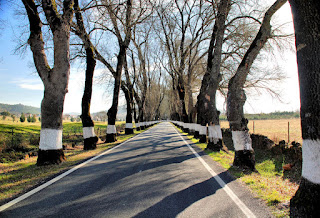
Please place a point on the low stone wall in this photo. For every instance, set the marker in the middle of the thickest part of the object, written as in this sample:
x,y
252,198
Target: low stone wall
x,y
292,152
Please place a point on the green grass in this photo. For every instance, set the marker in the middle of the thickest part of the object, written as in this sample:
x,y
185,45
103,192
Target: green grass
x,y
270,183
17,128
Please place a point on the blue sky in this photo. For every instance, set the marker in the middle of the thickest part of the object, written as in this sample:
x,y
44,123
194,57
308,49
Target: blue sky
x,y
19,82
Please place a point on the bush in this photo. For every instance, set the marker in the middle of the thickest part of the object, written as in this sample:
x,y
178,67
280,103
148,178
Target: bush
x,y
13,117
3,140
22,118
15,148
34,139
5,113
33,119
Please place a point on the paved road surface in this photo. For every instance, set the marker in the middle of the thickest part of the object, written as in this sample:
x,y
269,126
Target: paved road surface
x,y
153,175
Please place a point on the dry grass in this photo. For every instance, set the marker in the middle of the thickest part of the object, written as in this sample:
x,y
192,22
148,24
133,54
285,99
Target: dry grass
x,y
275,130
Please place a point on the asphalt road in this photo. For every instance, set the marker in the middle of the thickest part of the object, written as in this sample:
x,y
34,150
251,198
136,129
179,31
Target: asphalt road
x,y
153,175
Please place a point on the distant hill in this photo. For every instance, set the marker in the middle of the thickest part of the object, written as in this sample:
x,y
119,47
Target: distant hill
x,y
19,108
102,115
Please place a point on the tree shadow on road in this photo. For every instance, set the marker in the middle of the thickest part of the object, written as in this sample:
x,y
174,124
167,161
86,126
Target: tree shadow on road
x,y
176,203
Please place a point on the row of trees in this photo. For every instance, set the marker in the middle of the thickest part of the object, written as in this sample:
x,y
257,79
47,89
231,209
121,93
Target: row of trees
x,y
30,119
202,46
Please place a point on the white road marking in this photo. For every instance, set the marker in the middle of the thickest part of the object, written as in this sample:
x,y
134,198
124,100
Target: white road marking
x,y
247,212
50,182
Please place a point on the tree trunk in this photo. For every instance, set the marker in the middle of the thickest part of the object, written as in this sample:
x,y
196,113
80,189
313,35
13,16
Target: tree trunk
x,y
182,94
306,17
236,98
141,118
55,79
90,138
137,114
207,111
129,100
112,112
50,149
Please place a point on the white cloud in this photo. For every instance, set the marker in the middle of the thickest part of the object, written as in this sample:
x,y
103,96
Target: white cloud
x,y
32,86
30,83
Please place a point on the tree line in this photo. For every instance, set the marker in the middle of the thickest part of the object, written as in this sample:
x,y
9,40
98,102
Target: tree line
x,y
162,53
31,118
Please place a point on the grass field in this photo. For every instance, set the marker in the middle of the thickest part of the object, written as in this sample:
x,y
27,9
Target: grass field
x,y
20,139
25,127
275,130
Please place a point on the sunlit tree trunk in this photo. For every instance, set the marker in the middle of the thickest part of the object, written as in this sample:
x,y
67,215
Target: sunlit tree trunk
x,y
55,79
236,98
306,17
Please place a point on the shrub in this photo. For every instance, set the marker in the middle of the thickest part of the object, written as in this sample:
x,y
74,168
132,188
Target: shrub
x,y
34,139
13,117
22,118
3,139
33,119
5,113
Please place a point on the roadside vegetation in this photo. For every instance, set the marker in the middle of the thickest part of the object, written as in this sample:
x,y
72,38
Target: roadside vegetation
x,y
21,140
19,176
271,182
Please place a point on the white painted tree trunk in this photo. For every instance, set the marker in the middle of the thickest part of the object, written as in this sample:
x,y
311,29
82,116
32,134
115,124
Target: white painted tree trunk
x,y
56,78
306,202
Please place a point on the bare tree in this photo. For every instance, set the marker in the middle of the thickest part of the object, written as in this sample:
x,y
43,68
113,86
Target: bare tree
x,y
123,17
127,89
56,78
90,139
206,104
141,46
183,27
306,16
244,154
120,16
